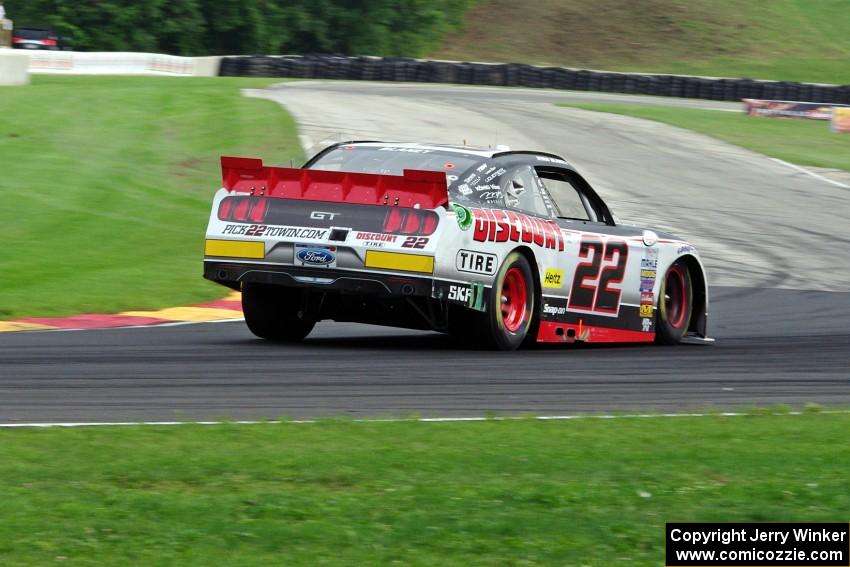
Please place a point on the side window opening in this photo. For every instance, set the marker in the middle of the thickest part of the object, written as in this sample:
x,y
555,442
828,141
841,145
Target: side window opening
x,y
524,192
569,201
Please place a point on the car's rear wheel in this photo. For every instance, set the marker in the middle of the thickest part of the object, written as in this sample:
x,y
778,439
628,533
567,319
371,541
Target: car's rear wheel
x,y
510,311
675,304
509,316
276,313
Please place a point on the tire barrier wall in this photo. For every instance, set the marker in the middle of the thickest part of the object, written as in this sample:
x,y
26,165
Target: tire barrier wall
x,y
519,75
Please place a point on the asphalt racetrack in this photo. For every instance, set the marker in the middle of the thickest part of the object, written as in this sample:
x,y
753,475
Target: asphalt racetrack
x,y
774,241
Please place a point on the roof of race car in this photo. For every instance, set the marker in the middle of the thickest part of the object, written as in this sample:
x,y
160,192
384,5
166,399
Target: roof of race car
x,y
472,150
469,150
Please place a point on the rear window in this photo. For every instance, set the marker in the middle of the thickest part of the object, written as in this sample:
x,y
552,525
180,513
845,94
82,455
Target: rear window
x,y
471,179
30,33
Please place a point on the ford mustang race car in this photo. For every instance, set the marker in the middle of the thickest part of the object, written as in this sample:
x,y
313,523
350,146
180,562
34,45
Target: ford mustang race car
x,y
499,248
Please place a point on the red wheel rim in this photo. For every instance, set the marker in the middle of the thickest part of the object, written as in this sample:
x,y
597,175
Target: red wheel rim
x,y
675,297
514,300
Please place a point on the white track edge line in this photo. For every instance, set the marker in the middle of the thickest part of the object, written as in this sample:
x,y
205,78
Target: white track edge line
x,y
812,173
410,420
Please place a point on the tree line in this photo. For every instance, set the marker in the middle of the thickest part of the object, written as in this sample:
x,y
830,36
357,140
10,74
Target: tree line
x,y
407,28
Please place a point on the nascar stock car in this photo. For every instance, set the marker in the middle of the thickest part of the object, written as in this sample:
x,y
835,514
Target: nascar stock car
x,y
500,248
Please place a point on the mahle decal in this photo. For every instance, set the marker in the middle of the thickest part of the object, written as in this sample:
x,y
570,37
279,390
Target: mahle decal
x,y
464,216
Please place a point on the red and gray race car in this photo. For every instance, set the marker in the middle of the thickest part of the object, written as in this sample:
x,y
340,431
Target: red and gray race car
x,y
500,248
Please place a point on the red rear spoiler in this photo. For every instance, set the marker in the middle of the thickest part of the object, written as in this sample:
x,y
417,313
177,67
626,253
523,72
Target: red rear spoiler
x,y
248,175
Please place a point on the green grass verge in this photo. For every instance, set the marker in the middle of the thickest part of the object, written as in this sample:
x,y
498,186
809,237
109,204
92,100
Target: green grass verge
x,y
106,184
790,40
524,492
804,142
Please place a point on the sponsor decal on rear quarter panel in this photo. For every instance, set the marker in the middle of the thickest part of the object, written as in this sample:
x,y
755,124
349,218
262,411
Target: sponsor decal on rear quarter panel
x,y
375,239
553,278
471,295
464,216
476,262
497,225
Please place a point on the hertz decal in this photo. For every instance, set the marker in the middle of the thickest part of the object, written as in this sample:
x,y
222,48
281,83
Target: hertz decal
x,y
553,278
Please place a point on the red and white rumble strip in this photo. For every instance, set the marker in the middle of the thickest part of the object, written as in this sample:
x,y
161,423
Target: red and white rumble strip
x,y
223,309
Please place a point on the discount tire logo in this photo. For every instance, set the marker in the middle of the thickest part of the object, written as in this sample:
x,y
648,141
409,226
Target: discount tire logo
x,y
476,262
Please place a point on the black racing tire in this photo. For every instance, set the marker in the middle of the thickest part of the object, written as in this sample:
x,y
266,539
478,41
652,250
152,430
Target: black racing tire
x,y
675,305
509,319
276,313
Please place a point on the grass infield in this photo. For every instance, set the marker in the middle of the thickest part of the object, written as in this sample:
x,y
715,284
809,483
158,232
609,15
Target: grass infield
x,y
106,183
516,492
804,142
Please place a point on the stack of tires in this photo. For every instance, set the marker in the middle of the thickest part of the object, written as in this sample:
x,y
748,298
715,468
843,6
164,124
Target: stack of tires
x,y
519,75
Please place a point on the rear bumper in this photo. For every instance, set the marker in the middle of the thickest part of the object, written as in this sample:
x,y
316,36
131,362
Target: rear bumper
x,y
233,274
31,46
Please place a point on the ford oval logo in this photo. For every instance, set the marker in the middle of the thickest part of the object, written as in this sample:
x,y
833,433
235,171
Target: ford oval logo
x,y
315,256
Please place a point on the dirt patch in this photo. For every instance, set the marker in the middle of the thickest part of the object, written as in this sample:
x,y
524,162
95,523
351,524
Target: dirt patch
x,y
601,34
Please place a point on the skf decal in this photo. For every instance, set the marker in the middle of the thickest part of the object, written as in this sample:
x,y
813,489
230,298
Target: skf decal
x,y
472,295
496,225
553,278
